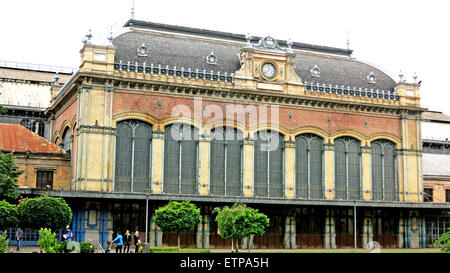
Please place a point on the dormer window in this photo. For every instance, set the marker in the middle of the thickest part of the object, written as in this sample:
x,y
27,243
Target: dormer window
x,y
371,78
142,51
315,72
211,59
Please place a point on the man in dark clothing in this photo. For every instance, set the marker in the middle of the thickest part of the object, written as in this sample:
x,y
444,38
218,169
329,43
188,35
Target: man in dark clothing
x,y
19,238
127,241
136,242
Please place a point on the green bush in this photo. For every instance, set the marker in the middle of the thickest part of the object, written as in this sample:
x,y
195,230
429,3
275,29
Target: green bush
x,y
3,244
48,241
444,242
9,216
85,247
45,212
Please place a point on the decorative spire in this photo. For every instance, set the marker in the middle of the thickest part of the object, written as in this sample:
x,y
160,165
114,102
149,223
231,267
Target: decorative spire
x,y
88,37
289,44
401,76
110,36
56,79
348,41
132,10
248,38
415,77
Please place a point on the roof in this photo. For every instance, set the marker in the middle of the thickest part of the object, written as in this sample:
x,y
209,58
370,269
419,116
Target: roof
x,y
15,137
188,47
25,94
30,75
435,116
436,165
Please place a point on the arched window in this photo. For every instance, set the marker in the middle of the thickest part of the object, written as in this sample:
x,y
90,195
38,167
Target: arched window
x,y
180,159
226,154
384,174
347,158
133,156
66,141
269,164
308,166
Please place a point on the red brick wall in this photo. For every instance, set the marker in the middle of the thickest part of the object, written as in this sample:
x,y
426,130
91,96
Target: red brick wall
x,y
68,114
300,117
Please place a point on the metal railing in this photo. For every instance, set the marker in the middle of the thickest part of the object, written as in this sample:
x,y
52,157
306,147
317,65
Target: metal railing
x,y
30,236
36,67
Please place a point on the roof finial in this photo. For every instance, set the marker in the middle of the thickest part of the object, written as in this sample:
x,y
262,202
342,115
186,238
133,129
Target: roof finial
x,y
88,37
401,76
110,36
348,41
132,11
415,77
248,38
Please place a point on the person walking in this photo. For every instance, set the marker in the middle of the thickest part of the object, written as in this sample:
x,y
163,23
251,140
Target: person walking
x,y
127,241
136,241
19,238
119,243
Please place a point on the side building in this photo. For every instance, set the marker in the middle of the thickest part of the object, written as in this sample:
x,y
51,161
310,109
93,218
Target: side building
x,y
328,146
436,170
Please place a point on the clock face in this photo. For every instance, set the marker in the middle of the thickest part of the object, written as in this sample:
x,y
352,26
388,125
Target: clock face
x,y
269,70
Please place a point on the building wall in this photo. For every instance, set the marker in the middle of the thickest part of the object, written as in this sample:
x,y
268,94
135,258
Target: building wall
x,y
60,165
439,186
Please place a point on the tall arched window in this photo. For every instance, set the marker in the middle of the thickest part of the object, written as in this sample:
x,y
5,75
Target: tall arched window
x,y
66,140
226,154
269,164
180,159
308,166
347,158
384,174
133,156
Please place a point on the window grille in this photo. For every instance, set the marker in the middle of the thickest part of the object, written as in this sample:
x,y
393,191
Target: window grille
x,y
226,154
309,154
133,156
269,164
180,159
44,180
347,169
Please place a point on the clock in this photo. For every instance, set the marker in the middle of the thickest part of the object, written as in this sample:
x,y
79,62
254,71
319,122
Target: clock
x,y
268,70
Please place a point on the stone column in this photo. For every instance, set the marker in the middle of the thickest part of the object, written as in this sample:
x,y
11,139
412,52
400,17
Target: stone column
x,y
402,239
289,233
330,234
414,229
290,168
202,236
329,170
248,167
367,229
204,161
155,233
157,161
366,173
245,242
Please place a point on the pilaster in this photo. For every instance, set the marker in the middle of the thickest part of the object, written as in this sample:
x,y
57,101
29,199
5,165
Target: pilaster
x,y
329,170
248,167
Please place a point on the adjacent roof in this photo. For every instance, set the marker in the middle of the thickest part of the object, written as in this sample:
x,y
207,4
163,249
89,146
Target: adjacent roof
x,y
187,47
435,116
25,94
15,137
436,165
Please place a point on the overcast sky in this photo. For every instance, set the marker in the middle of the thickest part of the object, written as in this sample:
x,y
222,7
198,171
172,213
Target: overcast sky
x,y
412,36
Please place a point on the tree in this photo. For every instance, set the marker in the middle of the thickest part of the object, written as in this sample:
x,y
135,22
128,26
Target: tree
x,y
45,212
249,222
48,241
177,217
8,177
224,221
9,216
444,242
